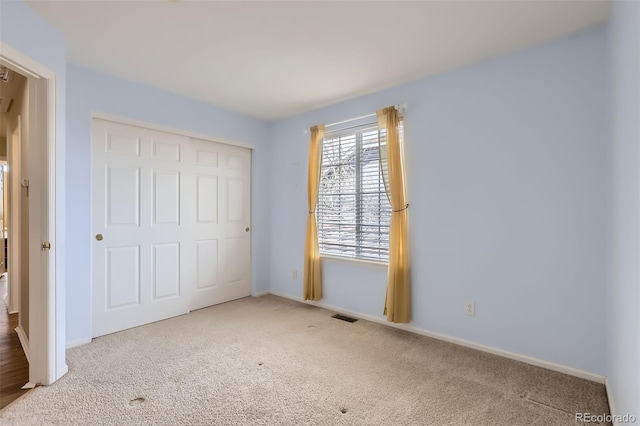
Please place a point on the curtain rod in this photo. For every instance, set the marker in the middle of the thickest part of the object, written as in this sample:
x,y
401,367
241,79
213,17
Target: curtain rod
x,y
399,107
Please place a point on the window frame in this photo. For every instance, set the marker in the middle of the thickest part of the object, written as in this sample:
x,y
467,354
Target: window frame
x,y
383,211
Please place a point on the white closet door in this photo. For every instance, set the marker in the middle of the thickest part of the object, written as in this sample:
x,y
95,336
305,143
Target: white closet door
x,y
145,240
221,226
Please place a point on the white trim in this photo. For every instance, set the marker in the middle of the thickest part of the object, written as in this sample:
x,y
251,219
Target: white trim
x,y
337,123
14,216
24,341
64,370
612,405
23,63
262,293
462,342
54,317
354,261
44,295
167,129
78,342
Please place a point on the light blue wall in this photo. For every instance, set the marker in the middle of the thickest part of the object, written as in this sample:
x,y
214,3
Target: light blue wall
x,y
25,31
623,343
90,91
506,171
506,179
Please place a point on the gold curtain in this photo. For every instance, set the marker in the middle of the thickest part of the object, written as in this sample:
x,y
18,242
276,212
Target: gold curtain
x,y
312,278
397,305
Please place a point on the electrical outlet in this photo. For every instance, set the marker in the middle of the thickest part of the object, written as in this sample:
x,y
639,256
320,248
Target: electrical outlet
x,y
470,309
294,274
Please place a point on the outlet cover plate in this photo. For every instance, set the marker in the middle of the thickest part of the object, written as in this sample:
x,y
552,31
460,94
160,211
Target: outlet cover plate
x,y
470,309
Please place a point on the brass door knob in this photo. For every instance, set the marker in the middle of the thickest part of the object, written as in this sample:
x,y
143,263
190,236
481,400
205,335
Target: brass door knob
x,y
246,229
99,237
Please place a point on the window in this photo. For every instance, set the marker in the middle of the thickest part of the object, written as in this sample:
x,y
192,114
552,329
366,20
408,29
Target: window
x,y
353,211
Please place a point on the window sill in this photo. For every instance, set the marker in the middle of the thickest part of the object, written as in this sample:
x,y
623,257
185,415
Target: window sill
x,y
352,260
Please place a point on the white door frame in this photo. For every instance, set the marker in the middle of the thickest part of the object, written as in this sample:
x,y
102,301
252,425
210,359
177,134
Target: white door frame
x,y
46,343
13,218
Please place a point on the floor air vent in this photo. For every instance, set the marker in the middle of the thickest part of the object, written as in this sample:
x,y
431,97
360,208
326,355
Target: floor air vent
x,y
344,318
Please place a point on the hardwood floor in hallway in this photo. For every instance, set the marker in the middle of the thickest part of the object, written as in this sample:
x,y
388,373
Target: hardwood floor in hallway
x,y
14,368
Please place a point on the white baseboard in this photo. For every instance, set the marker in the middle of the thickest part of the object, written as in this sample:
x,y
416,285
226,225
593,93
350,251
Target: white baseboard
x,y
61,372
24,341
262,293
612,405
462,342
610,397
78,342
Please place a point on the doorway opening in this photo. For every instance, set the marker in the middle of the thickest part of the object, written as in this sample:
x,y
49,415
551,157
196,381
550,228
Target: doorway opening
x,y
14,220
28,131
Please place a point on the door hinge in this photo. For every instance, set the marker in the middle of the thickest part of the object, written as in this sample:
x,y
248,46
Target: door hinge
x,y
25,184
46,245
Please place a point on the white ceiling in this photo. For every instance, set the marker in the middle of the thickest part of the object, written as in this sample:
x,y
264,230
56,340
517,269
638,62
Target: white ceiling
x,y
276,59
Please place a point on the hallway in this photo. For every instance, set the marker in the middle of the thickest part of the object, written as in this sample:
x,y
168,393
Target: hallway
x,y
14,368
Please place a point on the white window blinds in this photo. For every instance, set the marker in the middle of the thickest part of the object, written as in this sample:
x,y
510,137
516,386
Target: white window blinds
x,y
353,211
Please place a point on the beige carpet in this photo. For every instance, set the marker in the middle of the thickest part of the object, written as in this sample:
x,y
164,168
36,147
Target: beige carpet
x,y
270,361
